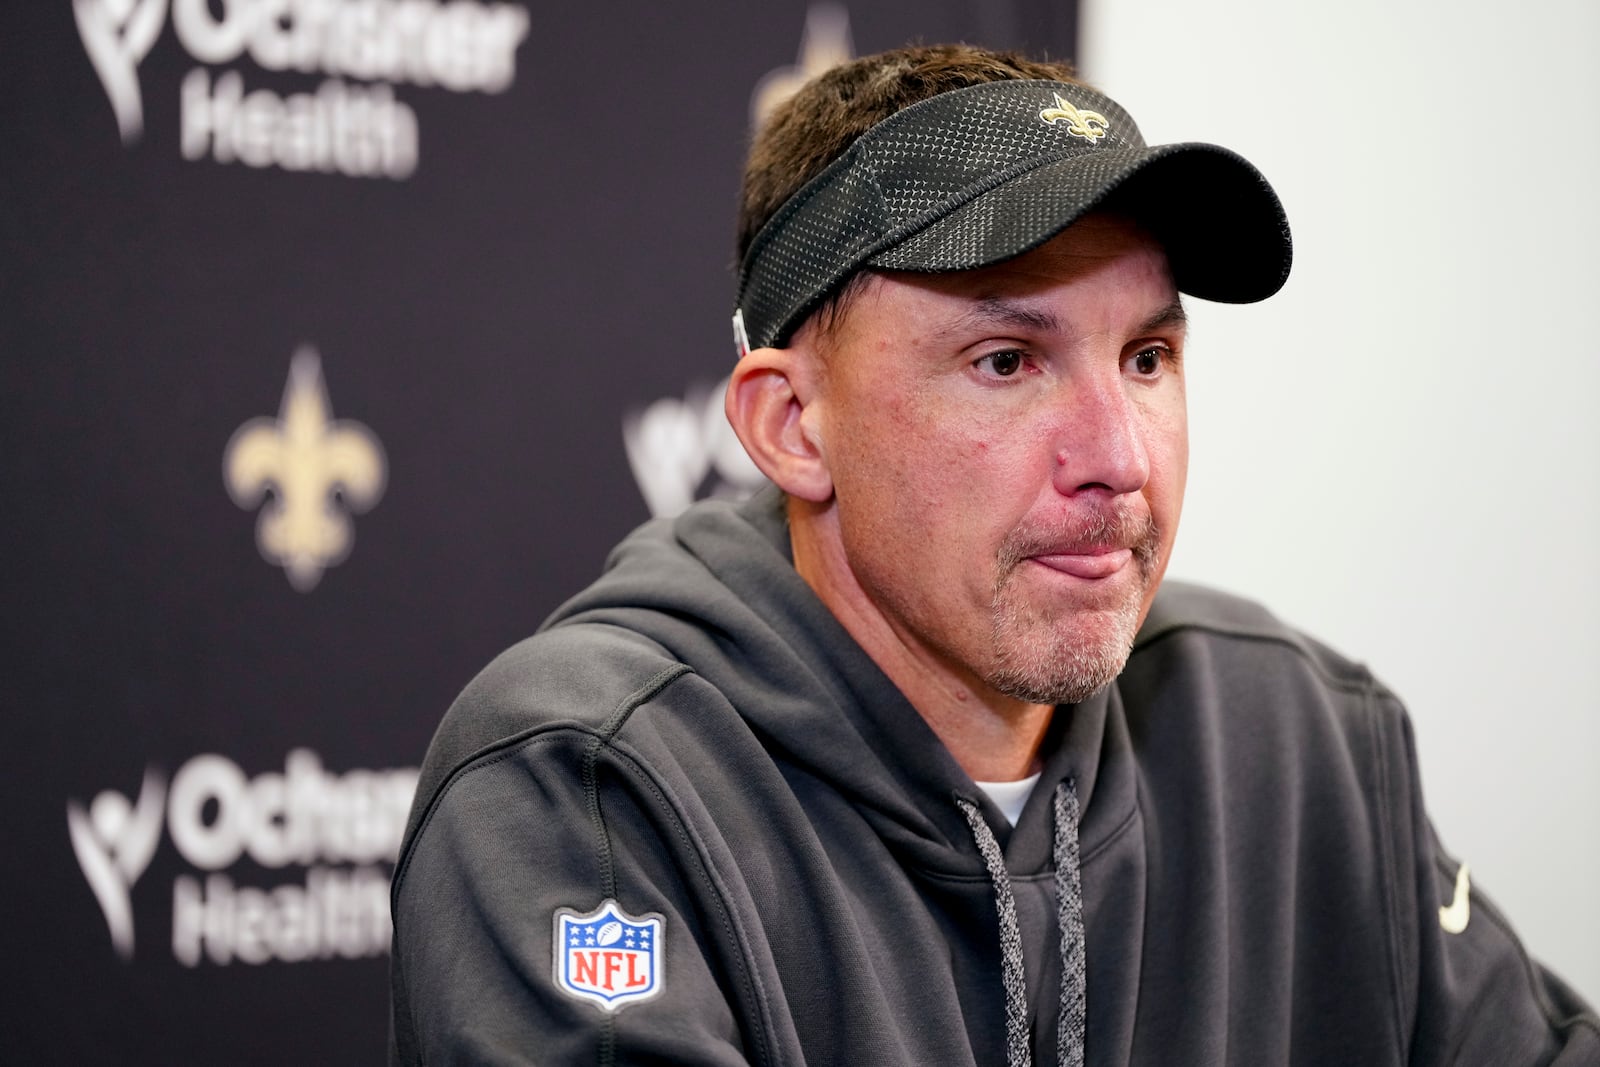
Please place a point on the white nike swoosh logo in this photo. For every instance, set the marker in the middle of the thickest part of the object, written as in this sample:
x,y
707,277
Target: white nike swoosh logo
x,y
1454,919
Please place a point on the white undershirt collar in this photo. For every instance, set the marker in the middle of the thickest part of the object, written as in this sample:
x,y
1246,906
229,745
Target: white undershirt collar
x,y
1010,797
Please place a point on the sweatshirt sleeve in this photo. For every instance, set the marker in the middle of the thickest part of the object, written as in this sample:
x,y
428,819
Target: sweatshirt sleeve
x,y
548,824
1479,998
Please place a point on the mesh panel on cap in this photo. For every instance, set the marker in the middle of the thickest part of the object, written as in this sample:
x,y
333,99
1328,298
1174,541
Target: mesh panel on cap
x,y
1033,206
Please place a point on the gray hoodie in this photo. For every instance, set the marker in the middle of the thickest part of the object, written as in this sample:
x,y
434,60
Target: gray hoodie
x,y
1226,860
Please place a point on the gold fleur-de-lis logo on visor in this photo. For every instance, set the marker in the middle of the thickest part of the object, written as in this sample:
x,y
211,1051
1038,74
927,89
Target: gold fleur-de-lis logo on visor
x,y
312,464
1090,125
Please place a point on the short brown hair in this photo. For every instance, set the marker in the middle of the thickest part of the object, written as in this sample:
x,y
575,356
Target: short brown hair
x,y
815,126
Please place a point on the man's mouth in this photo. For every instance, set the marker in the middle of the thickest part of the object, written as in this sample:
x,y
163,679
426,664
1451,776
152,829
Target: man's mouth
x,y
1086,561
1091,547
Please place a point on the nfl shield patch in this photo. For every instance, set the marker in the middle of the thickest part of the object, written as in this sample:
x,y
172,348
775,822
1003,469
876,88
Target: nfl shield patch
x,y
608,956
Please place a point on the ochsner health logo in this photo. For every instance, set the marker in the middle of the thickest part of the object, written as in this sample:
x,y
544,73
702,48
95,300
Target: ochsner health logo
x,y
114,842
344,830
118,34
357,127
684,450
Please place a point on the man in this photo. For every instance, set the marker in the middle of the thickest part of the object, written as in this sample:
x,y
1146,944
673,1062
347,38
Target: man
x,y
906,761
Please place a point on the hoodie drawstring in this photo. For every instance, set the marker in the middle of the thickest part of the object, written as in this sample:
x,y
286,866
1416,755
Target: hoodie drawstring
x,y
1069,922
1018,1053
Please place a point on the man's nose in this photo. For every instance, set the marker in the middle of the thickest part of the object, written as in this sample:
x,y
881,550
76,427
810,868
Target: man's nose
x,y
1100,439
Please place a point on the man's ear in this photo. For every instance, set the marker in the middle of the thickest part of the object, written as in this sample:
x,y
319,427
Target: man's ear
x,y
768,396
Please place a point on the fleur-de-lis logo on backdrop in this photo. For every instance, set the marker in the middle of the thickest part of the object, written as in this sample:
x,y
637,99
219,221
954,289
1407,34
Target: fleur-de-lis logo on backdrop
x,y
118,34
1090,125
824,43
315,467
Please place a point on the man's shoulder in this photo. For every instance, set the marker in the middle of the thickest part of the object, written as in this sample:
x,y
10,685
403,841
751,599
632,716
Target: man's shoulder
x,y
576,673
1241,629
1224,698
574,679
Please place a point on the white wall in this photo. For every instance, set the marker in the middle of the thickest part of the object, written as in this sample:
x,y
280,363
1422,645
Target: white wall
x,y
1401,451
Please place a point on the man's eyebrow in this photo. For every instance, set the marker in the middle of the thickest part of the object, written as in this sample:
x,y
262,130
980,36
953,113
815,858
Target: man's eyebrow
x,y
990,311
1170,317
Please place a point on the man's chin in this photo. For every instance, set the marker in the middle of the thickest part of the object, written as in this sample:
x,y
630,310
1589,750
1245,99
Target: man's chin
x,y
1063,662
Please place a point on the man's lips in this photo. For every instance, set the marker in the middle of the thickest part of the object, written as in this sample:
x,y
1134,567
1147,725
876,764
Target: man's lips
x,y
1090,561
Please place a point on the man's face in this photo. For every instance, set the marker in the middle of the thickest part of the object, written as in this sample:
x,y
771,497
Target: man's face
x,y
1008,448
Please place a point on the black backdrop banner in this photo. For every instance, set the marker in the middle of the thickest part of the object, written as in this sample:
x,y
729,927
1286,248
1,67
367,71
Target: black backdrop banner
x,y
339,341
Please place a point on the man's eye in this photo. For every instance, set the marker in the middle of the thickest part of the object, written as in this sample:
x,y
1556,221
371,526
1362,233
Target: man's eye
x,y
1147,362
1001,364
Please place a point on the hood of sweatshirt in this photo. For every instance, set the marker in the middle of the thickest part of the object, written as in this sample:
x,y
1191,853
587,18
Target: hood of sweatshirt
x,y
717,590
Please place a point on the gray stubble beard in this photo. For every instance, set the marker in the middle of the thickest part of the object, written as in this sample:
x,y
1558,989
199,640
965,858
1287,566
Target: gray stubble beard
x,y
1039,658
